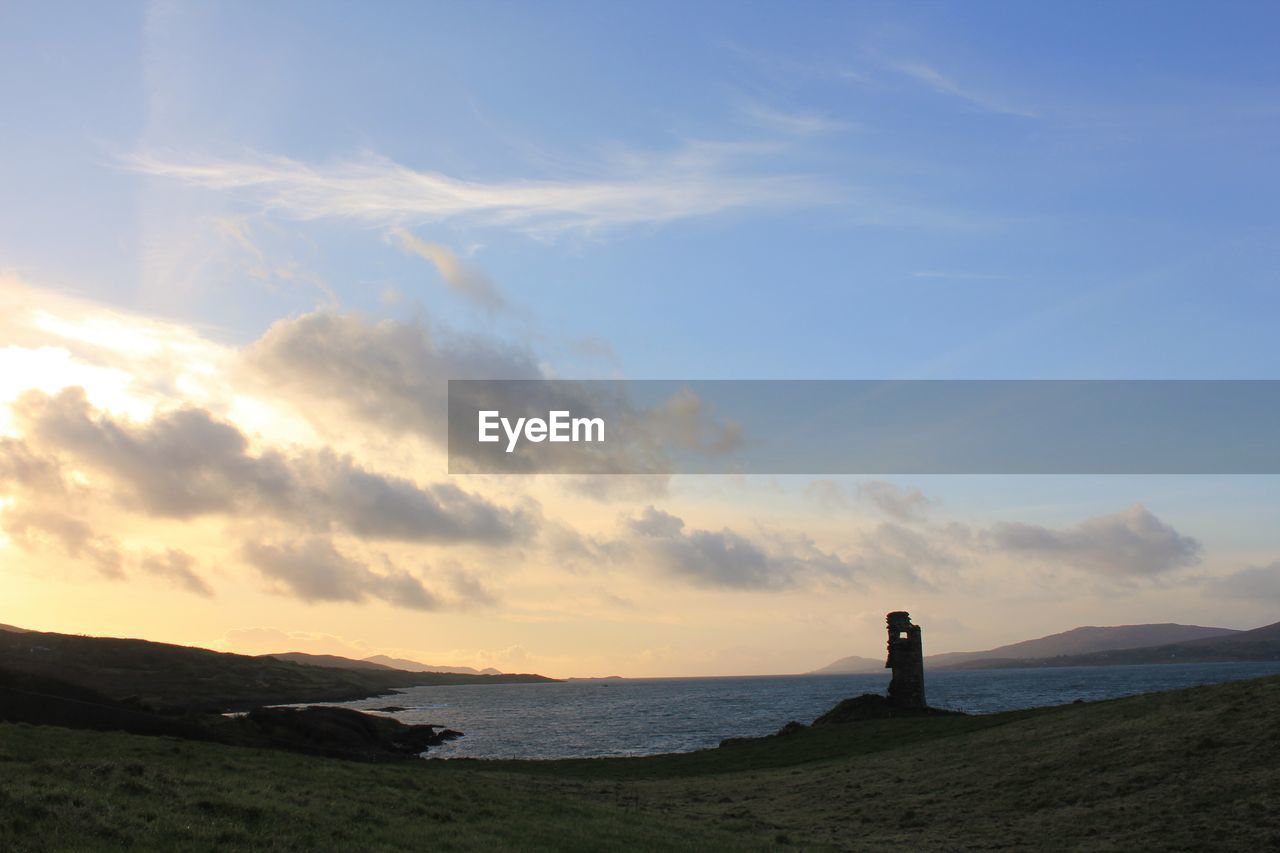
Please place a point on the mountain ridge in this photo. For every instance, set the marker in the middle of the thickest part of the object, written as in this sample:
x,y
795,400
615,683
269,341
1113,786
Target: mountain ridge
x,y
1082,640
1086,639
850,665
416,666
1258,644
334,661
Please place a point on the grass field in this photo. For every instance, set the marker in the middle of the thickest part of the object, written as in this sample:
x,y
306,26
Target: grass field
x,y
1191,769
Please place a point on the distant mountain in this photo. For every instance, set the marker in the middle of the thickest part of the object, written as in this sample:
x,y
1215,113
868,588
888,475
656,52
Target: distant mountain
x,y
14,629
328,660
1077,641
851,664
1257,645
1080,641
415,666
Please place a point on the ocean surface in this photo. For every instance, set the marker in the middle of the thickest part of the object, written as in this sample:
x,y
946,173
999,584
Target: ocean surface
x,y
578,719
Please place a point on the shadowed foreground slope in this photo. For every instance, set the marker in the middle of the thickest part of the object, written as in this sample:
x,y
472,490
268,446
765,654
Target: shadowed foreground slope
x,y
1196,768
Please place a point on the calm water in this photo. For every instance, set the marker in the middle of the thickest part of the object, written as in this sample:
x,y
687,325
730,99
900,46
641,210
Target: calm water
x,y
646,716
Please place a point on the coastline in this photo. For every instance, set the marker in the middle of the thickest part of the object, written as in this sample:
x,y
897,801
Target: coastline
x,y
1150,771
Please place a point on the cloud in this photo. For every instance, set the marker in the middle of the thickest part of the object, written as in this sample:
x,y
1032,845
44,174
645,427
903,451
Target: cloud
x,y
186,463
727,559
237,231
1255,583
944,85
381,506
707,558
465,279
827,494
266,640
394,376
181,464
1127,544
892,552
688,182
468,591
21,468
617,487
894,501
388,373
178,567
685,421
313,570
794,123
35,529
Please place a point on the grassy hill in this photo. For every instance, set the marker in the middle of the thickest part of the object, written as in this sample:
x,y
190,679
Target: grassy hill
x,y
164,676
1191,769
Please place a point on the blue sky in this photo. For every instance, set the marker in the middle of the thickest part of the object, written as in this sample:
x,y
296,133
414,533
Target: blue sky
x,y
998,190
673,190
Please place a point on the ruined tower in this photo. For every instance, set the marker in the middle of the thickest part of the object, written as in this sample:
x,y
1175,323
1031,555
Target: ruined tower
x,y
906,659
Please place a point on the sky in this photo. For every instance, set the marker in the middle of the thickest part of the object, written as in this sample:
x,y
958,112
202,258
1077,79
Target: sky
x,y
243,247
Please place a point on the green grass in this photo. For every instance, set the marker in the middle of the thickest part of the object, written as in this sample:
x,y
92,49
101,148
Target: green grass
x,y
1192,769
65,789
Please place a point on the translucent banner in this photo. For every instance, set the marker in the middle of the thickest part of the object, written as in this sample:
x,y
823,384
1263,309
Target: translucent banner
x,y
866,427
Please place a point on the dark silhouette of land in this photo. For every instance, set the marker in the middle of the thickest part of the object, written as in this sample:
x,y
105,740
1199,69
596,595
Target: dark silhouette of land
x,y
376,662
1084,640
1100,646
329,731
415,666
156,689
165,677
851,664
1260,644
327,660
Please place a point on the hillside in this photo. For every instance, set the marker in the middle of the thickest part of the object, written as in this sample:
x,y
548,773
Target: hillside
x,y
414,666
851,664
1074,642
1083,641
327,660
165,676
1187,770
1256,645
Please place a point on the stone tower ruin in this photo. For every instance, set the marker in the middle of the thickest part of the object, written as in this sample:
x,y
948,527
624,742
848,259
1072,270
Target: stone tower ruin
x,y
906,659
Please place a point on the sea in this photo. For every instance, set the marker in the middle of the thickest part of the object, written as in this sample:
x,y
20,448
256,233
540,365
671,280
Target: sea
x,y
645,716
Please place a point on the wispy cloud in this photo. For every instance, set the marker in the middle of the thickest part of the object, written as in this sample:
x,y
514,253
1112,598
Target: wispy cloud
x,y
945,85
792,122
466,280
377,191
